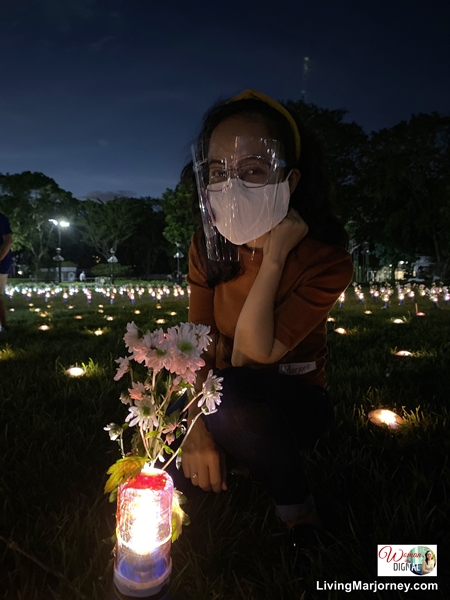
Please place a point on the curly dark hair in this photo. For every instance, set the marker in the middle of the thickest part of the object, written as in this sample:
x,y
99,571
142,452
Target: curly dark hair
x,y
313,196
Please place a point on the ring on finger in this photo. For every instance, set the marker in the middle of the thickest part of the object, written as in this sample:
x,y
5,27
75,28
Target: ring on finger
x,y
194,475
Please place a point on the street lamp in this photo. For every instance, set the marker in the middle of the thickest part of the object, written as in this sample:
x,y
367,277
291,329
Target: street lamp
x,y
58,258
178,255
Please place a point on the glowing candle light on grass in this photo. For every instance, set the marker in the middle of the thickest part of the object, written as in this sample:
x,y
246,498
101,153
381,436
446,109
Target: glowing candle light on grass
x,y
160,321
110,318
399,321
367,312
382,417
144,529
44,327
98,332
403,353
75,371
340,330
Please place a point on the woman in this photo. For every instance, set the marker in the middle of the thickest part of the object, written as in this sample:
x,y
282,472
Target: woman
x,y
265,203
428,563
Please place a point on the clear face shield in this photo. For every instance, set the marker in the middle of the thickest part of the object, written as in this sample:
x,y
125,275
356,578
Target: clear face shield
x,y
243,192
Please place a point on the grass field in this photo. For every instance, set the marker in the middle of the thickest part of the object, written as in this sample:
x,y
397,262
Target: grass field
x,y
372,486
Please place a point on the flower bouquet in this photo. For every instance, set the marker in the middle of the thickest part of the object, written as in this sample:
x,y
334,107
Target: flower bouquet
x,y
162,367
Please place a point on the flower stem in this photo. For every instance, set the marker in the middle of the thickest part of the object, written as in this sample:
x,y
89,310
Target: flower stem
x,y
191,402
182,443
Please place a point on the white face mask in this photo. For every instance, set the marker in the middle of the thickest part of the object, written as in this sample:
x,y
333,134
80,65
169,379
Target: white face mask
x,y
243,213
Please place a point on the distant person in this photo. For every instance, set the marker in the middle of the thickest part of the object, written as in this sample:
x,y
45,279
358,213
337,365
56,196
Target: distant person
x,y
6,262
82,276
428,563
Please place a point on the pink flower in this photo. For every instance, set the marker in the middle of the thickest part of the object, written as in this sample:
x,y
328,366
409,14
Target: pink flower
x,y
201,333
131,338
185,351
211,393
124,366
137,391
153,350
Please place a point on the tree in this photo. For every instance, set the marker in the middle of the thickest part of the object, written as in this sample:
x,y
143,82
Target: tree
x,y
30,200
345,146
106,225
181,222
406,179
148,250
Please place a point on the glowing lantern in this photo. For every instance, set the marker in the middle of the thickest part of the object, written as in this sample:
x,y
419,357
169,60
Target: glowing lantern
x,y
403,353
110,318
340,330
382,416
399,321
367,312
137,312
75,371
144,534
44,327
98,332
160,321
331,319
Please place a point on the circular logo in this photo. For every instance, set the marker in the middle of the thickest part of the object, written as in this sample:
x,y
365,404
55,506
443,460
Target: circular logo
x,y
421,560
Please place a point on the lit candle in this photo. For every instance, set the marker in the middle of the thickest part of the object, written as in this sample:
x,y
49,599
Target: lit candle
x,y
144,532
75,371
382,416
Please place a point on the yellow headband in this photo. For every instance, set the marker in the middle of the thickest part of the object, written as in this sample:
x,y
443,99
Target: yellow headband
x,y
255,95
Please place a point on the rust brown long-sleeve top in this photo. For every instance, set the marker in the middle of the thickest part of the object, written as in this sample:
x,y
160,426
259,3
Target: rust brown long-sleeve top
x,y
314,276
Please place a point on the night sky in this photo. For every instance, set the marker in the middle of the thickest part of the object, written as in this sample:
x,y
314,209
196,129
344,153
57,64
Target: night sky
x,y
105,96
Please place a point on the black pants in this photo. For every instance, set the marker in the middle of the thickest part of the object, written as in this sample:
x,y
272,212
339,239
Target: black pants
x,y
265,420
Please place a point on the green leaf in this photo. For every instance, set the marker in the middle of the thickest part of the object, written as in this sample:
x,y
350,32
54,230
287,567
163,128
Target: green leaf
x,y
122,470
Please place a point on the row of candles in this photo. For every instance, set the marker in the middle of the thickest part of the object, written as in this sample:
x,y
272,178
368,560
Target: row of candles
x,y
383,293
133,293
404,293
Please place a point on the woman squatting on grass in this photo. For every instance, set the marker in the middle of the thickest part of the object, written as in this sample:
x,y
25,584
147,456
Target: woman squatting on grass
x,y
264,273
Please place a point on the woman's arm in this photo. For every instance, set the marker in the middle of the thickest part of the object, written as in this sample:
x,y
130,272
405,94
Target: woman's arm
x,y
254,340
201,455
